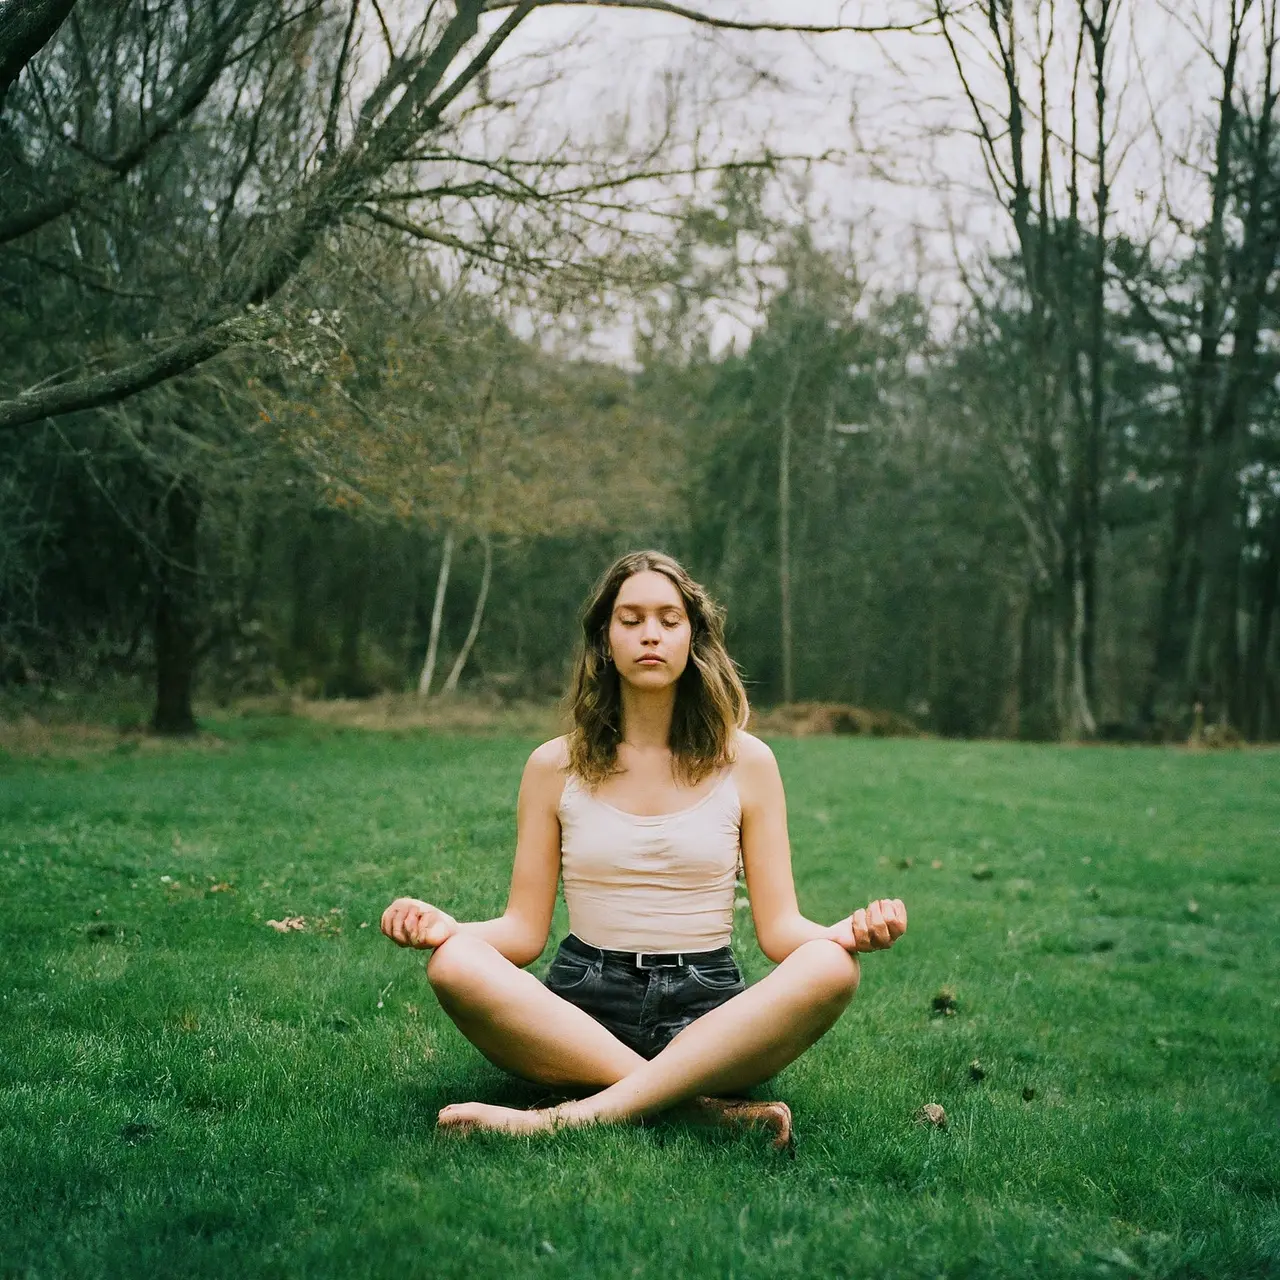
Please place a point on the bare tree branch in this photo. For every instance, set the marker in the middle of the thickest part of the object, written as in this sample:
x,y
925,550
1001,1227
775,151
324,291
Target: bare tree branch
x,y
26,26
97,389
728,24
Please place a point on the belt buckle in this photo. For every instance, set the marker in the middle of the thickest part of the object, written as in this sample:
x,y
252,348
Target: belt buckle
x,y
640,964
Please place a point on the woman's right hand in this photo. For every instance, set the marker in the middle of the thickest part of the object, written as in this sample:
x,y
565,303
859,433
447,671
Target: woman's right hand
x,y
410,922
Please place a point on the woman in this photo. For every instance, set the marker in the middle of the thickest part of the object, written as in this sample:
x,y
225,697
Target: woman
x,y
645,810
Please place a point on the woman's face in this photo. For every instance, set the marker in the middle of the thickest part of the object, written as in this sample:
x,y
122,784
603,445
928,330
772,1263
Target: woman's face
x,y
649,631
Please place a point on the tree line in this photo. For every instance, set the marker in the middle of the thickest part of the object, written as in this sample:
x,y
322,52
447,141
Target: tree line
x,y
293,394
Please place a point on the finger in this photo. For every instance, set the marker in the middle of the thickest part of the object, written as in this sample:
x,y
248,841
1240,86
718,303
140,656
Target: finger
x,y
885,907
436,932
858,921
425,928
391,923
412,923
402,935
896,918
877,928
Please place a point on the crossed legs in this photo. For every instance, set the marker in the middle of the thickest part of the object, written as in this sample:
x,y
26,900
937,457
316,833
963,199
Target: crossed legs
x,y
522,1027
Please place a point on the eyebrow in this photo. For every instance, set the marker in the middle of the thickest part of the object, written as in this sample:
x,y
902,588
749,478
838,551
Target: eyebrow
x,y
660,608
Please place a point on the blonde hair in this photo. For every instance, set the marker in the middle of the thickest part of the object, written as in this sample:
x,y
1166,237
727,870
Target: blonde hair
x,y
710,700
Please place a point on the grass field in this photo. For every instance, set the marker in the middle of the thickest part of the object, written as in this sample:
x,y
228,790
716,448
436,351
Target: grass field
x,y
185,1090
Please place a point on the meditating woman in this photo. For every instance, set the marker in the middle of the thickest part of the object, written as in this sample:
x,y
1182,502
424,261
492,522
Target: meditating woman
x,y
646,811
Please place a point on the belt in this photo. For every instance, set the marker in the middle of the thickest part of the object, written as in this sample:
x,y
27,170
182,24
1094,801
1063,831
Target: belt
x,y
650,959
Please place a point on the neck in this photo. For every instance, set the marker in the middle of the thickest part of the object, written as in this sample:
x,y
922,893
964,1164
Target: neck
x,y
646,717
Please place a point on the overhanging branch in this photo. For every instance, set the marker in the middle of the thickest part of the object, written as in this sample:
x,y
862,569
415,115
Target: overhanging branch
x,y
729,24
98,389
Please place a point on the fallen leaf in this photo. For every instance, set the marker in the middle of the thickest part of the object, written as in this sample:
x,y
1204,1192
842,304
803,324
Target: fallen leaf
x,y
288,924
936,864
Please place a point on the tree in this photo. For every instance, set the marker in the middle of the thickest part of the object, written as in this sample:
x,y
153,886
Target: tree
x,y
1038,166
80,123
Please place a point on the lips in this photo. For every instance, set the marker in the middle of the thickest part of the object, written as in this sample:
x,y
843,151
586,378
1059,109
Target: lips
x,y
651,662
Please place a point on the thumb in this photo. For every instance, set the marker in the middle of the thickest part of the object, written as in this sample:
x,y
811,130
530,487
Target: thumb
x,y
436,929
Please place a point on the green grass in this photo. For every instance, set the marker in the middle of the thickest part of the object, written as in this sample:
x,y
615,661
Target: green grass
x,y
185,1091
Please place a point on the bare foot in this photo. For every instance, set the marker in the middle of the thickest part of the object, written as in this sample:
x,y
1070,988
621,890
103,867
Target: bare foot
x,y
745,1113
465,1117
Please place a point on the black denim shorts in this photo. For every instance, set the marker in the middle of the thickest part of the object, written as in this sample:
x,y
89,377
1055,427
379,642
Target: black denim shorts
x,y
643,1007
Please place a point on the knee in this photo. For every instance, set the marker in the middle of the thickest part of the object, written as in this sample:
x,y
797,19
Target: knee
x,y
455,966
833,972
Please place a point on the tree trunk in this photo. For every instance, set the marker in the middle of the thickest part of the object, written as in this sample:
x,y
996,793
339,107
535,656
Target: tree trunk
x,y
784,540
1009,723
1251,715
1080,721
302,622
477,617
350,681
437,614
176,610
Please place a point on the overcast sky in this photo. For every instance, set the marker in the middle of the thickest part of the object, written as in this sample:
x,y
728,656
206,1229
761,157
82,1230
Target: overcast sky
x,y
892,105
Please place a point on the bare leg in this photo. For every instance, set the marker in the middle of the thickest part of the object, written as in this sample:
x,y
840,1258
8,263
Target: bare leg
x,y
744,1041
519,1025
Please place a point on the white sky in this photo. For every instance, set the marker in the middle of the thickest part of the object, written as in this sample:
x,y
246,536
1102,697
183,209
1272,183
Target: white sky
x,y
891,105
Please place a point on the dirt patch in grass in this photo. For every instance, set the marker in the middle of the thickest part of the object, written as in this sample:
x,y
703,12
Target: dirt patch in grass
x,y
404,711
27,736
807,719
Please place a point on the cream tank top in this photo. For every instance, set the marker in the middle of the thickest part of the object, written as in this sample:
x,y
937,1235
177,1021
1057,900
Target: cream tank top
x,y
650,883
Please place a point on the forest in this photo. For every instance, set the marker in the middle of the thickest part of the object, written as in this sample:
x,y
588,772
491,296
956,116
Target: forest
x,y
337,357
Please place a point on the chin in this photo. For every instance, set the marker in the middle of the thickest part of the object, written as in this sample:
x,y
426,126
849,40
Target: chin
x,y
653,675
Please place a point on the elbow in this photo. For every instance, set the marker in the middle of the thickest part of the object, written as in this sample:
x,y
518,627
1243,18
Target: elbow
x,y
526,943
774,948
778,938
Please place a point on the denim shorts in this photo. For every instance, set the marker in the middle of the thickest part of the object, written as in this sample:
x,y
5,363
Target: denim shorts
x,y
643,1007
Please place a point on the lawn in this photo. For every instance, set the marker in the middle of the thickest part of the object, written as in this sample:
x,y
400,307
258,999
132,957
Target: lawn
x,y
186,1090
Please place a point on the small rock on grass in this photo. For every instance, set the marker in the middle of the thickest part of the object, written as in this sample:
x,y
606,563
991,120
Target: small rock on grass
x,y
982,872
977,1072
932,1113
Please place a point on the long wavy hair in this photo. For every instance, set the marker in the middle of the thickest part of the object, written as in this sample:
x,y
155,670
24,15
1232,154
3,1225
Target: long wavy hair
x,y
710,700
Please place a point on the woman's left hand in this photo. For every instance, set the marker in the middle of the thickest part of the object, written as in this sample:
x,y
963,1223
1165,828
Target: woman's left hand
x,y
874,928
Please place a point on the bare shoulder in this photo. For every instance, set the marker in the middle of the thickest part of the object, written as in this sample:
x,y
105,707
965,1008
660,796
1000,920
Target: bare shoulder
x,y
544,772
750,752
755,770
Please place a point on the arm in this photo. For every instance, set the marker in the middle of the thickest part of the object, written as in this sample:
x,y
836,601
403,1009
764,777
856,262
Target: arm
x,y
766,858
520,933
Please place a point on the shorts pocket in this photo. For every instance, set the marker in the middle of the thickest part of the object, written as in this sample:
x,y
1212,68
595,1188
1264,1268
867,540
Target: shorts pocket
x,y
717,977
567,973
